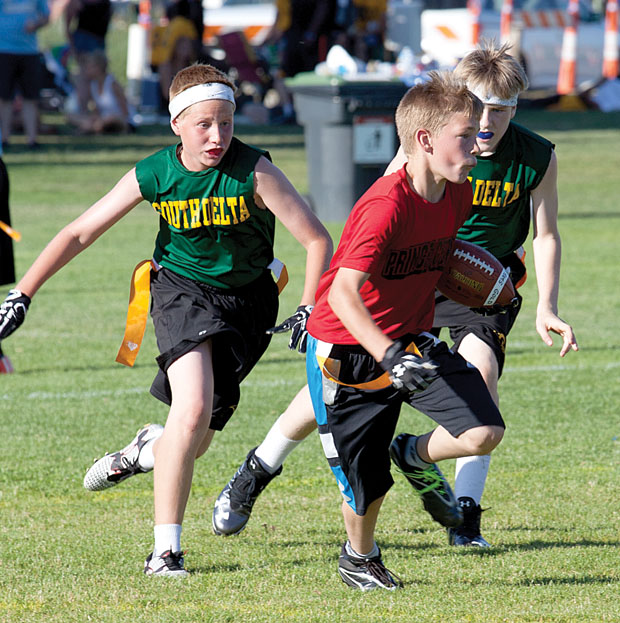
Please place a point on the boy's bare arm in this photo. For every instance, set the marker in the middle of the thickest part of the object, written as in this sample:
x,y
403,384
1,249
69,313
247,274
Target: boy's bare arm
x,y
275,192
547,248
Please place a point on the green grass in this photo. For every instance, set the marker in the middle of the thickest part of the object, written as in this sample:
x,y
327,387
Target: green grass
x,y
73,556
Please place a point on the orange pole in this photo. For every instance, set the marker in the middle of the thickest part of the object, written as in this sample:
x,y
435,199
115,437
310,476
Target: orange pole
x,y
144,14
567,74
475,7
505,25
610,45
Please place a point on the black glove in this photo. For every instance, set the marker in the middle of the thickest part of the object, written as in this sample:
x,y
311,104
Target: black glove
x,y
409,373
12,312
491,310
297,324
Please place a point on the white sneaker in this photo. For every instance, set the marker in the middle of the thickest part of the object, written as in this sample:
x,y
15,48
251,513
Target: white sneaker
x,y
114,468
169,563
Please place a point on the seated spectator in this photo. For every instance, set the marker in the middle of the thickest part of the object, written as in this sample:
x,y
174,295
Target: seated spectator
x,y
107,108
360,27
300,32
369,29
86,24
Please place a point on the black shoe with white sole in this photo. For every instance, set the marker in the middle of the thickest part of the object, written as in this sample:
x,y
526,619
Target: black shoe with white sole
x,y
366,573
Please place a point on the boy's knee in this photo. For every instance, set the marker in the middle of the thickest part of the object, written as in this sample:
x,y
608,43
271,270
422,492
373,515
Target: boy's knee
x,y
481,440
193,416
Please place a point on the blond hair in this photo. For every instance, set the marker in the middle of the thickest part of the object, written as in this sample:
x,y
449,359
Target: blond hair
x,y
430,105
198,73
492,70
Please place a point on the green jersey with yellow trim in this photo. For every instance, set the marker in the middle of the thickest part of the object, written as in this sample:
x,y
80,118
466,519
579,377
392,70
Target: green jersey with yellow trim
x,y
502,182
210,228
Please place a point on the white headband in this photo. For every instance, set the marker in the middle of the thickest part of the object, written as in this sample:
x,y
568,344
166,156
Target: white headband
x,y
200,93
488,98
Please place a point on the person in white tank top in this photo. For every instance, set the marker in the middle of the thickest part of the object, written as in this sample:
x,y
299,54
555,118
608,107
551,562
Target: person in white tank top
x,y
108,108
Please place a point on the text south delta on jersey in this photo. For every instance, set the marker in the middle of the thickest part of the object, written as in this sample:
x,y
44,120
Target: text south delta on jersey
x,y
490,194
203,212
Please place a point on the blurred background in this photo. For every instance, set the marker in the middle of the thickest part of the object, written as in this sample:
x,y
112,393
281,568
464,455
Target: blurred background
x,y
266,44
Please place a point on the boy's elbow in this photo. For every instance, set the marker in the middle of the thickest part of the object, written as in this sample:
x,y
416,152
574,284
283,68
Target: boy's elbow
x,y
339,299
329,246
333,299
323,242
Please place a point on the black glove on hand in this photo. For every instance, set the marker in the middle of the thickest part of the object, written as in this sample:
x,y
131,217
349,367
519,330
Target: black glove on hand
x,y
12,312
297,324
491,310
409,373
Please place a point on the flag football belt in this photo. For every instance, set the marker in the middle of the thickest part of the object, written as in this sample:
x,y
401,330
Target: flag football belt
x,y
516,263
139,297
330,367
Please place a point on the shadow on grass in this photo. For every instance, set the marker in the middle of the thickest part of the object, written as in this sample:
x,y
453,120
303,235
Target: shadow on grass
x,y
543,545
113,365
575,216
216,567
577,581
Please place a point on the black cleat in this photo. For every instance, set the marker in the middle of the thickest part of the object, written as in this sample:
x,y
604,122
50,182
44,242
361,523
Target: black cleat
x,y
437,495
366,573
168,564
468,534
234,504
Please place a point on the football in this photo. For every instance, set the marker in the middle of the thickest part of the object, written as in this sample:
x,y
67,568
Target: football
x,y
474,277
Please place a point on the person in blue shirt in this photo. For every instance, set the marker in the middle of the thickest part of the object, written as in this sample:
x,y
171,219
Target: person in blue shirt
x,y
19,62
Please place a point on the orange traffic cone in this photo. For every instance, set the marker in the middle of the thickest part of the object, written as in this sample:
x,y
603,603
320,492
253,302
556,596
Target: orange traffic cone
x,y
475,7
144,14
567,75
505,24
610,46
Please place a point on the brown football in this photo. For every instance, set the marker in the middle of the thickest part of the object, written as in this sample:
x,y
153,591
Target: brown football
x,y
474,277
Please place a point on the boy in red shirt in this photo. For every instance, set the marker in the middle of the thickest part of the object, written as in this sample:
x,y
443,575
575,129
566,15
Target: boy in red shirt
x,y
369,350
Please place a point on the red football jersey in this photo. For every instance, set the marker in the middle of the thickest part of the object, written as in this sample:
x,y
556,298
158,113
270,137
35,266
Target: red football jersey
x,y
403,242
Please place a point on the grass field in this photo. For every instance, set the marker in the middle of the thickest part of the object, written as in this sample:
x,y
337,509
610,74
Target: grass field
x,y
74,556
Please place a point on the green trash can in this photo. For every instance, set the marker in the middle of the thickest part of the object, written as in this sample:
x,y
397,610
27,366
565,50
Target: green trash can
x,y
350,137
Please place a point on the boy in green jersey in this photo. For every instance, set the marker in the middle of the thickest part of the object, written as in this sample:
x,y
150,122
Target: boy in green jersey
x,y
213,297
516,169
514,182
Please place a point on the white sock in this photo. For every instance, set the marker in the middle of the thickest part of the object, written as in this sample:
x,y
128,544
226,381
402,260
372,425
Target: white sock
x,y
167,537
274,449
371,554
470,476
146,458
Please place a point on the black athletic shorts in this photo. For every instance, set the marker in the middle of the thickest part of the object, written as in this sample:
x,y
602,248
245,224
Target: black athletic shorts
x,y
356,426
492,330
23,70
186,313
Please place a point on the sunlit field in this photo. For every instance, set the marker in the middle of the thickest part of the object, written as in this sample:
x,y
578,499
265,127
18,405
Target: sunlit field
x,y
70,555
